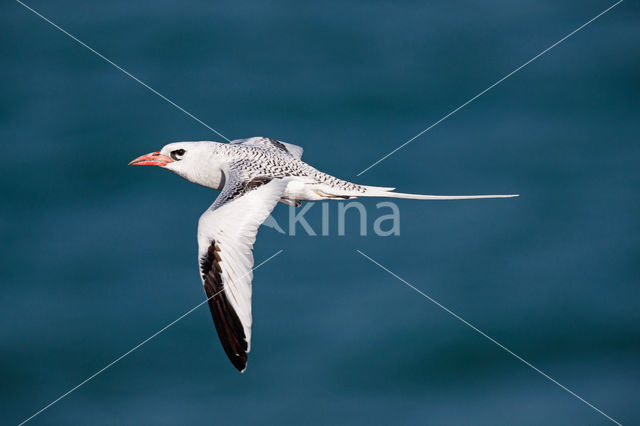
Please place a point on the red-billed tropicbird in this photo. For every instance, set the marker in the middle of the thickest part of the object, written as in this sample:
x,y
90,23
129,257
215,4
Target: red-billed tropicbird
x,y
253,175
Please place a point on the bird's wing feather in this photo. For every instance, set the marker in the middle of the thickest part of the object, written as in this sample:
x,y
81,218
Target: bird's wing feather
x,y
271,144
226,233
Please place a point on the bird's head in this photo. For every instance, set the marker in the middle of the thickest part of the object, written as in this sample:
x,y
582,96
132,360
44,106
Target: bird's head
x,y
195,161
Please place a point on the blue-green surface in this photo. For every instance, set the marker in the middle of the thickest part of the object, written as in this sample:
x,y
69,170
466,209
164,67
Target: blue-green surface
x,y
95,256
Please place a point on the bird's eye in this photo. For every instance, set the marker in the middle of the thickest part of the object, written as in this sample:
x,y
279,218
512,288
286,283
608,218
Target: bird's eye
x,y
177,154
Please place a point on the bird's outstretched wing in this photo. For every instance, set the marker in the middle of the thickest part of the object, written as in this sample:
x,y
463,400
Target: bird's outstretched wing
x,y
226,233
271,144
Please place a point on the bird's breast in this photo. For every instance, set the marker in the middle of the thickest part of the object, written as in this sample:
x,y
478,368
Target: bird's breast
x,y
216,179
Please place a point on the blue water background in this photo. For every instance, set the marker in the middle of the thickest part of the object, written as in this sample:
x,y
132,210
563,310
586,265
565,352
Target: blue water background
x,y
95,256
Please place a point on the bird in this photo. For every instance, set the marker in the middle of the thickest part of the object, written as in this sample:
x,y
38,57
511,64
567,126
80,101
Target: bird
x,y
253,175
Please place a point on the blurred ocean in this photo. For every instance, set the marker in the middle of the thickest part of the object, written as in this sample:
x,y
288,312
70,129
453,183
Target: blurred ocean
x,y
95,256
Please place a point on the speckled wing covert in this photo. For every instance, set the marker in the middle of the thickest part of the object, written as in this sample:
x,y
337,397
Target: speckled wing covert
x,y
270,144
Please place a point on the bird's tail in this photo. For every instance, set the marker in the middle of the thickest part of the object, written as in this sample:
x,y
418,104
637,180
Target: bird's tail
x,y
378,191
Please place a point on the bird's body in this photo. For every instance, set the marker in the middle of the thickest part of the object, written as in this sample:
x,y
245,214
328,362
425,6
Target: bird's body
x,y
253,175
262,157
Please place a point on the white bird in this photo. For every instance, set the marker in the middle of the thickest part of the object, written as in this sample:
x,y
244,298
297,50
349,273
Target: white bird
x,y
253,175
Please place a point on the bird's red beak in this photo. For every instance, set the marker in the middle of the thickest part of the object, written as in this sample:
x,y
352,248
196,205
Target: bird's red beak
x,y
151,159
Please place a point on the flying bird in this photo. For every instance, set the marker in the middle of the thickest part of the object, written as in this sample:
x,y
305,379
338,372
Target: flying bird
x,y
253,175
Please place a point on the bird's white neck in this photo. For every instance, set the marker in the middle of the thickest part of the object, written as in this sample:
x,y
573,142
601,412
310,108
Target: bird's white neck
x,y
211,177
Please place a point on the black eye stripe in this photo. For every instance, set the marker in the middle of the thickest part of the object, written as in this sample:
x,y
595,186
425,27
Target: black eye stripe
x,y
177,153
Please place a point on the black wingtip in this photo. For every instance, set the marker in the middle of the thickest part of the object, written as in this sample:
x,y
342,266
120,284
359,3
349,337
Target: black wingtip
x,y
239,361
228,325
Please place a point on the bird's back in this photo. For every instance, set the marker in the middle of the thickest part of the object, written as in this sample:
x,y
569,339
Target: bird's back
x,y
255,161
